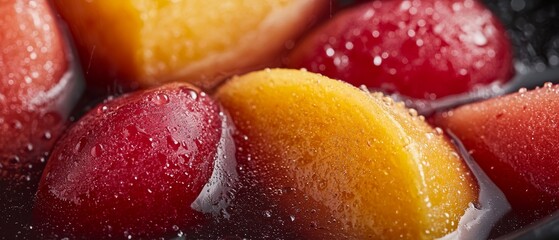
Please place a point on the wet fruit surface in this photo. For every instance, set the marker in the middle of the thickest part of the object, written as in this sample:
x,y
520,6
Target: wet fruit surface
x,y
320,158
131,166
37,92
117,45
421,49
514,139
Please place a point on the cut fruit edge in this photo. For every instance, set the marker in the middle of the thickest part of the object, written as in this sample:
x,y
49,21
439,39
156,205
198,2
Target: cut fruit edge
x,y
478,221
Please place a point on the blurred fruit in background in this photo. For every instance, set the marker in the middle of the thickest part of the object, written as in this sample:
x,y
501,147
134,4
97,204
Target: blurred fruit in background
x,y
38,90
134,43
420,49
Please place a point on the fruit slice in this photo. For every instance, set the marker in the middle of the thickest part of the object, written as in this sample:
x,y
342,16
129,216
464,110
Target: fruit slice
x,y
137,42
515,140
320,158
131,167
422,49
37,92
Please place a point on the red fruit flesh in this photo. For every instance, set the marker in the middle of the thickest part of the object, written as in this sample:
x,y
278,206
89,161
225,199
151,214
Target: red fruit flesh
x,y
37,92
132,166
422,49
515,140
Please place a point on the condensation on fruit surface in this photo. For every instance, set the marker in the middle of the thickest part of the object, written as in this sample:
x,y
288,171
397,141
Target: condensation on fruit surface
x,y
297,175
420,49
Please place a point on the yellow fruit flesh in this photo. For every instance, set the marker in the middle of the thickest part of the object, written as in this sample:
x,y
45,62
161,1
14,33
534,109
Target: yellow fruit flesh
x,y
200,27
155,41
377,171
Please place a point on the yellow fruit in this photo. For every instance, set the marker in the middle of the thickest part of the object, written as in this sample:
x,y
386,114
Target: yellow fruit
x,y
341,162
147,42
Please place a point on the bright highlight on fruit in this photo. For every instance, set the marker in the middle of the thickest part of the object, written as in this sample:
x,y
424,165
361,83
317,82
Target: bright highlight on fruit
x,y
321,158
144,43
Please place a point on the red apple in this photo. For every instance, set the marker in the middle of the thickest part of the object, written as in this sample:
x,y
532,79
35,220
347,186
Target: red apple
x,y
132,166
423,49
37,92
514,139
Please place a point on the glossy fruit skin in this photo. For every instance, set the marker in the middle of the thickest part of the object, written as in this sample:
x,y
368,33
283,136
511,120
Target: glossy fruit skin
x,y
318,158
132,166
422,49
514,139
38,89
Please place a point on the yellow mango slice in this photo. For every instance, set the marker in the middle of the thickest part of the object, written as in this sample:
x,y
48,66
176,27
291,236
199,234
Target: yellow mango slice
x,y
147,42
341,162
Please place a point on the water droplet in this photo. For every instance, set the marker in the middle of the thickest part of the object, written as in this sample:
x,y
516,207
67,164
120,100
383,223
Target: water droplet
x,y
80,145
192,93
479,39
377,60
411,33
97,150
330,52
17,125
175,228
102,108
267,213
438,130
14,160
29,147
522,90
292,218
47,136
174,144
160,99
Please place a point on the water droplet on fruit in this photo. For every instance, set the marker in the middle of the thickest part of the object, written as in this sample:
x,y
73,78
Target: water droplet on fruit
x,y
479,39
29,147
47,136
97,150
14,160
377,60
80,145
522,90
192,93
174,144
17,125
102,108
548,85
160,99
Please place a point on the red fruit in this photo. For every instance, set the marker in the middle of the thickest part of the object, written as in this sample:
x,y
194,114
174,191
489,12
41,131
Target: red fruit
x,y
423,49
515,140
131,167
37,92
